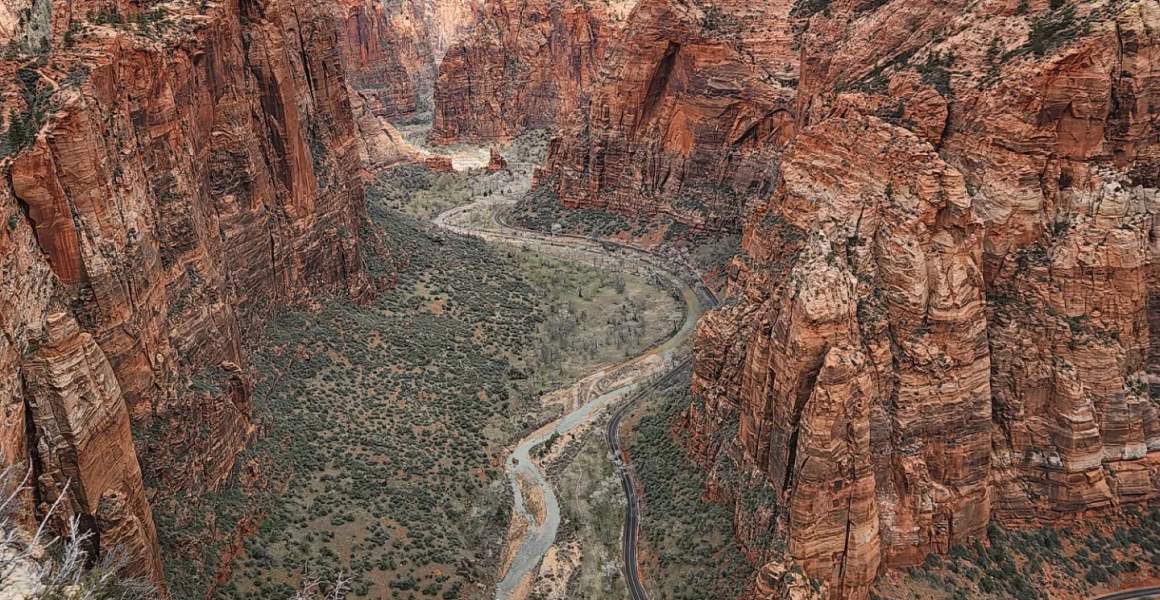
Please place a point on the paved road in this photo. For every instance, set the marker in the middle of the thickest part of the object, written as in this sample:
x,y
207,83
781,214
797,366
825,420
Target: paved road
x,y
631,528
599,390
628,537
1134,594
628,482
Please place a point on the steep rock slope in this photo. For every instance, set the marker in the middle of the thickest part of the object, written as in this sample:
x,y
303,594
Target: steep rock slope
x,y
180,175
945,312
859,339
691,108
388,54
380,145
392,49
526,64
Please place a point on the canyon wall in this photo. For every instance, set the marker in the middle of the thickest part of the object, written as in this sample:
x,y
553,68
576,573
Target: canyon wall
x,y
388,54
945,312
392,49
691,109
527,64
183,172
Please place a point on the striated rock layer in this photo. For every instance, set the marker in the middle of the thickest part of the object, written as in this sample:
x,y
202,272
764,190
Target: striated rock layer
x,y
945,313
859,340
692,106
527,64
380,145
387,54
392,49
189,176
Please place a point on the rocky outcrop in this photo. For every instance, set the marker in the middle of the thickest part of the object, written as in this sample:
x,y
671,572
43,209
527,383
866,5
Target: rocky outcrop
x,y
943,313
380,145
191,173
439,164
860,298
392,50
526,65
693,105
496,162
387,54
83,444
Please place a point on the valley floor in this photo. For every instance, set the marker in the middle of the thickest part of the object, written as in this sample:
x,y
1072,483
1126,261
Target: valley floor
x,y
383,426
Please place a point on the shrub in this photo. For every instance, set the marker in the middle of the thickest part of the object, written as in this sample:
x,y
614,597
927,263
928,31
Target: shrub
x,y
1052,30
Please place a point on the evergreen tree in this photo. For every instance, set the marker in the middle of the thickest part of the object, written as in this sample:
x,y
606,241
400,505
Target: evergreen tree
x,y
17,131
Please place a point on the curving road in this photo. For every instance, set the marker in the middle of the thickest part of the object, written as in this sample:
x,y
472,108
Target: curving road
x,y
598,391
631,529
1134,594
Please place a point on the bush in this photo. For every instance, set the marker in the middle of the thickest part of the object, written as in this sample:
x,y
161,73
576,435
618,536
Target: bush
x,y
1052,30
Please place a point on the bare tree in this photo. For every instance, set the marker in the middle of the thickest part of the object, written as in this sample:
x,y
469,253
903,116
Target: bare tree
x,y
312,589
35,566
59,567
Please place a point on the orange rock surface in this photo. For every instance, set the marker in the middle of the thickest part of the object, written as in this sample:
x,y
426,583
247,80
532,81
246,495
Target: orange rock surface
x,y
689,113
944,313
527,64
190,176
391,50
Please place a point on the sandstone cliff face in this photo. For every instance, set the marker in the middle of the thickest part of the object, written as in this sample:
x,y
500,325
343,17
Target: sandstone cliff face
x,y
526,65
945,312
392,49
10,19
693,103
860,333
380,145
388,54
198,173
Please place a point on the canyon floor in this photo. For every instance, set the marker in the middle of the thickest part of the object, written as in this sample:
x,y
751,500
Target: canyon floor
x,y
385,427
446,440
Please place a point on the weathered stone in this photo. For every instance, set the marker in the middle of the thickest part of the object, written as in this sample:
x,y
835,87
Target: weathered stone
x,y
689,114
951,287
496,162
526,65
194,180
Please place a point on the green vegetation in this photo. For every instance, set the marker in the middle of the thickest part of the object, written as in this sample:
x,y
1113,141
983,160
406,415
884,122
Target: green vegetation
x,y
540,210
592,514
1031,565
716,20
688,539
808,8
594,317
382,426
24,125
1053,29
106,15
421,192
384,422
936,71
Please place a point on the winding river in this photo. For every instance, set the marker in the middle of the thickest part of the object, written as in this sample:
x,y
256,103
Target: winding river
x,y
596,392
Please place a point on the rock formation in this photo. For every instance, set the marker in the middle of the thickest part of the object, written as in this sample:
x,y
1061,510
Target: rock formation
x,y
180,172
693,103
868,341
496,162
526,65
387,54
392,49
439,163
380,145
946,311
